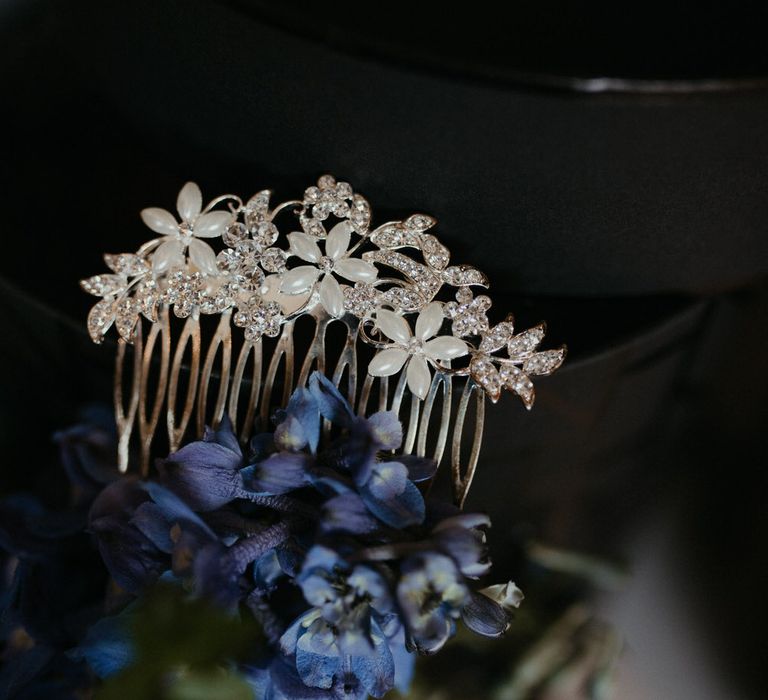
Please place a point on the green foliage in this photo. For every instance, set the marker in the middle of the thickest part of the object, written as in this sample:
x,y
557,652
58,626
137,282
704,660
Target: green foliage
x,y
185,650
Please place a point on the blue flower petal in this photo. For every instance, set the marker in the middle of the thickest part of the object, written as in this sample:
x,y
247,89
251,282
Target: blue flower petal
x,y
485,616
403,510
317,655
107,647
419,468
387,481
347,512
285,684
151,522
304,407
386,430
322,558
289,435
267,570
204,474
224,435
176,511
375,671
331,403
278,474
405,661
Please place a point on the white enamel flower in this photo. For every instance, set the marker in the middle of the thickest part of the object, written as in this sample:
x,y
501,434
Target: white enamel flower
x,y
416,349
336,261
178,236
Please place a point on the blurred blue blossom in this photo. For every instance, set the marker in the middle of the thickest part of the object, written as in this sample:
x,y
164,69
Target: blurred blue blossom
x,y
324,538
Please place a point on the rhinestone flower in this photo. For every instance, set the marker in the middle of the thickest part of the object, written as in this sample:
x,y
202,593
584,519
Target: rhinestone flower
x,y
336,261
416,349
178,236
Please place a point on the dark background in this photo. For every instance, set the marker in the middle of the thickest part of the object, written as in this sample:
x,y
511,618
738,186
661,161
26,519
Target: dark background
x,y
607,169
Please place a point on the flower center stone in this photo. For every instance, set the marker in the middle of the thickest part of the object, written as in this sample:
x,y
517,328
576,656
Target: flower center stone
x,y
326,264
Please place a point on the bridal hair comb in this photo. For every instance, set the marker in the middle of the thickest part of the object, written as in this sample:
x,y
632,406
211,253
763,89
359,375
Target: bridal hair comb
x,y
412,326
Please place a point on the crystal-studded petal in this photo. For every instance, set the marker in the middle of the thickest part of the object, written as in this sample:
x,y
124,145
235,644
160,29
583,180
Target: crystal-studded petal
x,y
304,246
169,255
419,222
394,235
497,337
234,234
126,316
338,240
189,203
128,264
524,344
100,318
435,253
360,213
331,296
429,321
361,300
356,270
265,234
312,226
419,376
464,275
387,362
406,298
446,347
212,224
298,280
546,362
159,220
518,382
103,285
273,260
203,257
394,326
257,208
484,372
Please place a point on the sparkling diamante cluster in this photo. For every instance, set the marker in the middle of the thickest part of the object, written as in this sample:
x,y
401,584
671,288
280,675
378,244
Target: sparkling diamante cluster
x,y
396,280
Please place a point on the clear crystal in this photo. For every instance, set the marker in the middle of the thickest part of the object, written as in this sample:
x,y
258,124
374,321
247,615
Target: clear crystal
x,y
546,362
128,264
435,253
468,314
464,275
405,298
234,234
419,222
104,285
484,372
273,260
265,234
362,299
312,226
126,316
257,209
524,344
100,318
184,291
360,213
497,337
259,318
146,297
516,381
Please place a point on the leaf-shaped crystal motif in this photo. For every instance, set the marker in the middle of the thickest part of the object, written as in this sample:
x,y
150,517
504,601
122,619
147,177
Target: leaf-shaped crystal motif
x,y
104,285
546,362
524,344
464,276
100,318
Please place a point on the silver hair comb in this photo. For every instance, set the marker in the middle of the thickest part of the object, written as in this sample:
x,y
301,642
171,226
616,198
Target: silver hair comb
x,y
336,272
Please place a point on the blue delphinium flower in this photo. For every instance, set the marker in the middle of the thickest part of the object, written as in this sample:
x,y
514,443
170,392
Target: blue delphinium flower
x,y
342,636
329,544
